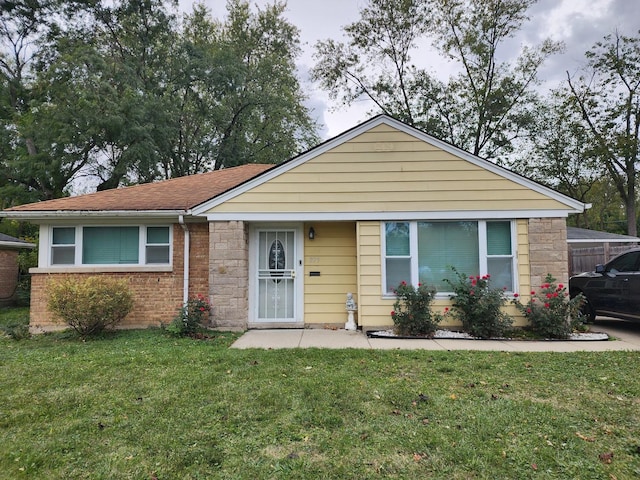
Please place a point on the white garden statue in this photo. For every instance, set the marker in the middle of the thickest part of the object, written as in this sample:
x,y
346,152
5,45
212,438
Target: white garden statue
x,y
351,307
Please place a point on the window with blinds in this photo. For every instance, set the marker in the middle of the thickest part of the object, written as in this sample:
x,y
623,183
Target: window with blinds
x,y
427,252
111,245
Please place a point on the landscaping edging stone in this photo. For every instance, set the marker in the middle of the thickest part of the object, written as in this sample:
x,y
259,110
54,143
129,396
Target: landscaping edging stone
x,y
455,335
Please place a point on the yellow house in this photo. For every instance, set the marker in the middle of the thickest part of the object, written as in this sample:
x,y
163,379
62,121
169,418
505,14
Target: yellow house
x,y
380,204
282,246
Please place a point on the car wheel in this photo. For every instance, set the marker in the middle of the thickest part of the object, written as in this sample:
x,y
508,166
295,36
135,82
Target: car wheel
x,y
588,312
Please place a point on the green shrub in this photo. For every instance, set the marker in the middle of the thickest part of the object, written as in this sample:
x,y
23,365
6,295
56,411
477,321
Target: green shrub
x,y
479,306
191,317
412,314
90,305
550,311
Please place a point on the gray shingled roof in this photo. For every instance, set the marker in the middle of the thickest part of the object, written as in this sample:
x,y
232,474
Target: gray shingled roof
x,y
583,235
7,241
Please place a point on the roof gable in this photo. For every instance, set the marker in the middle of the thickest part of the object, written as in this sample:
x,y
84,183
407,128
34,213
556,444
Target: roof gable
x,y
385,167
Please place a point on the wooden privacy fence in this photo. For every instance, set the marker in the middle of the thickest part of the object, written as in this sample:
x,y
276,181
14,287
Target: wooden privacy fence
x,y
586,259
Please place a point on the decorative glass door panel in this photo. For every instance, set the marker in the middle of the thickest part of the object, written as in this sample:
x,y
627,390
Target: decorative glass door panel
x,y
276,275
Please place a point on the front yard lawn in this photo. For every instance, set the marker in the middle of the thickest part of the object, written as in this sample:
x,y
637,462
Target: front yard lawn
x,y
144,405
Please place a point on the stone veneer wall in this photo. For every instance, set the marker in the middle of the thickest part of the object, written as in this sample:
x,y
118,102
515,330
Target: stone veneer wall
x,y
548,251
8,275
157,295
229,274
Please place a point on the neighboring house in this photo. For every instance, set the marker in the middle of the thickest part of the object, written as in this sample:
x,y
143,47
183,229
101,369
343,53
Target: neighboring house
x,y
587,248
281,246
9,270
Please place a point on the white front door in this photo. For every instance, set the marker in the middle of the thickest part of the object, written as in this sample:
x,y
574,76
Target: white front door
x,y
277,260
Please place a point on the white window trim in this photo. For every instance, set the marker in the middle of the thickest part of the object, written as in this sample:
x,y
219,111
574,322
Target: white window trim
x,y
413,253
45,261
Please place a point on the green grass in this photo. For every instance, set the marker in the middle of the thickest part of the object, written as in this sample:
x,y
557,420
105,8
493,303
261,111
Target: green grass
x,y
143,405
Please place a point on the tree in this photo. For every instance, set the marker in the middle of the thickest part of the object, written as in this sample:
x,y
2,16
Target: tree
x,y
560,154
127,92
247,93
491,101
375,63
608,96
25,171
482,109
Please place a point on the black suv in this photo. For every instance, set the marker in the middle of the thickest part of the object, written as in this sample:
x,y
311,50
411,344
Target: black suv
x,y
613,290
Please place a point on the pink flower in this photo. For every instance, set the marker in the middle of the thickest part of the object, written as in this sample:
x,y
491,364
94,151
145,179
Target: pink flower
x,y
560,286
403,283
446,309
515,295
555,294
533,292
202,309
546,305
528,310
549,295
472,292
393,313
474,282
419,284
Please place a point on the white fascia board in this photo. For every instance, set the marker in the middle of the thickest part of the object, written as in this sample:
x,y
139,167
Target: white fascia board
x,y
83,214
574,205
374,216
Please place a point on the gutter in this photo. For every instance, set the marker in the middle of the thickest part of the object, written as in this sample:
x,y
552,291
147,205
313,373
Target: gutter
x,y
70,214
185,272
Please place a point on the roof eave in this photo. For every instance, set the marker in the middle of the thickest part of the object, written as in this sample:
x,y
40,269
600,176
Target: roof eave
x,y
16,245
73,214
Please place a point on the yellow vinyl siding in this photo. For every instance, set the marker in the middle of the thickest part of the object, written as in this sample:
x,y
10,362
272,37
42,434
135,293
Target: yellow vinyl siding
x,y
524,269
374,310
333,254
384,169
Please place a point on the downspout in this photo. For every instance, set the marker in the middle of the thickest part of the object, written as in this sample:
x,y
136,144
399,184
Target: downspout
x,y
185,273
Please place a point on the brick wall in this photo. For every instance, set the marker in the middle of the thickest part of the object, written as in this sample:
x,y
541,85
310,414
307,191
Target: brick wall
x,y
229,274
548,252
157,295
8,275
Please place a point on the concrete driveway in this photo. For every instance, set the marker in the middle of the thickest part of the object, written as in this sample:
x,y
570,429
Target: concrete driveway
x,y
623,336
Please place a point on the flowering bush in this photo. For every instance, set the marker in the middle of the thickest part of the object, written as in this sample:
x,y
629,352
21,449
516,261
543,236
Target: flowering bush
x,y
479,306
191,316
550,311
412,315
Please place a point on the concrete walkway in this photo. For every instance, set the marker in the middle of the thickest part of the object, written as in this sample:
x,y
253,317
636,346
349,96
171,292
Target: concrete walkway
x,y
624,336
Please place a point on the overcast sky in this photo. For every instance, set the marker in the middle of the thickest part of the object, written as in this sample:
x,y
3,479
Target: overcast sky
x,y
578,23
